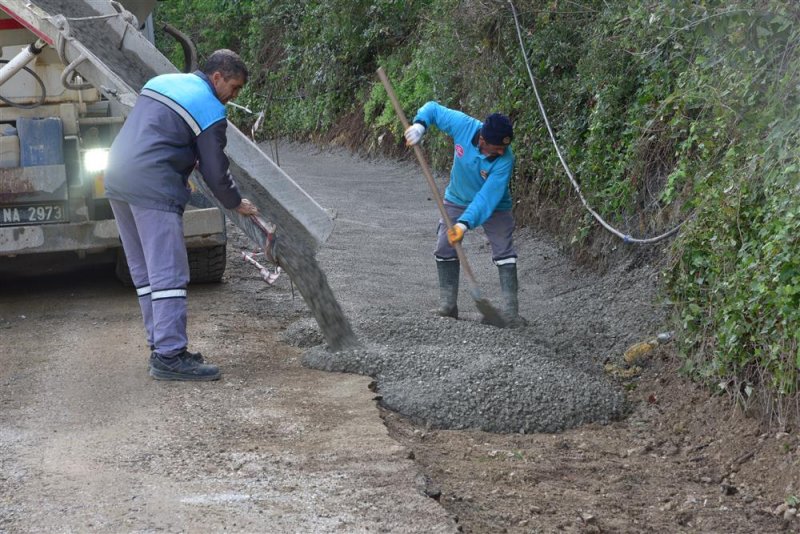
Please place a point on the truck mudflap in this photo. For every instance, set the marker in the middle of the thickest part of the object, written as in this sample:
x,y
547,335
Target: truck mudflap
x,y
201,228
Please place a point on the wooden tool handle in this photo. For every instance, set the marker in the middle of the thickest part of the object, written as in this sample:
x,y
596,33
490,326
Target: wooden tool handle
x,y
417,150
428,175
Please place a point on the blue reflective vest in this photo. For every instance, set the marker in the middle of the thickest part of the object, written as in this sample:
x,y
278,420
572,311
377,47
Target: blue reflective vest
x,y
177,122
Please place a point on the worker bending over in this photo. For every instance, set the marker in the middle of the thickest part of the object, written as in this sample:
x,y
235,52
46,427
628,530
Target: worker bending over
x,y
478,195
178,122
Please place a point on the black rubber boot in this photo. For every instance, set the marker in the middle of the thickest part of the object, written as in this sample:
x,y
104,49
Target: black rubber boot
x,y
184,366
448,288
509,288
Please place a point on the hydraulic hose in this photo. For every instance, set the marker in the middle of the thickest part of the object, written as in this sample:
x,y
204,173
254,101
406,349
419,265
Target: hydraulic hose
x,y
18,62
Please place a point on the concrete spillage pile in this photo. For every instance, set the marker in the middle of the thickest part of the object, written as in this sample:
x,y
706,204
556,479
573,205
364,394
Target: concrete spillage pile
x,y
461,374
546,377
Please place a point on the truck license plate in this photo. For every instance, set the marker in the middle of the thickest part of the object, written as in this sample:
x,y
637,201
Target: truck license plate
x,y
32,214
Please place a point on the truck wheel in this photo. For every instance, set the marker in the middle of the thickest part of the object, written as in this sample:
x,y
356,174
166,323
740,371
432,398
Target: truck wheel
x,y
206,265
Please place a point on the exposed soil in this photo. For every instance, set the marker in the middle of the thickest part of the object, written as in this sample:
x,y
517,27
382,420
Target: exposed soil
x,y
89,443
681,462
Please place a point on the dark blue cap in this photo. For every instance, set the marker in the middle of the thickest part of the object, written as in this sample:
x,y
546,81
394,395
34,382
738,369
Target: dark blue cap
x,y
497,130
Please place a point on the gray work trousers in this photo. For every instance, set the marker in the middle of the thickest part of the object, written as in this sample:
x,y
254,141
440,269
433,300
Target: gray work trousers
x,y
499,230
156,254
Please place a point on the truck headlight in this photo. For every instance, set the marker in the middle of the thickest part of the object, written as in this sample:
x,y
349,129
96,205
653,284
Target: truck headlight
x,y
95,160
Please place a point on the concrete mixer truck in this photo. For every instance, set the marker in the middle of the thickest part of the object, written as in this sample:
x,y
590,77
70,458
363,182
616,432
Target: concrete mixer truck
x,y
56,126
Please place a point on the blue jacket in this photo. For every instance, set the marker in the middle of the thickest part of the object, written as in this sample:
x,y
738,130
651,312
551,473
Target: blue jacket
x,y
476,181
177,120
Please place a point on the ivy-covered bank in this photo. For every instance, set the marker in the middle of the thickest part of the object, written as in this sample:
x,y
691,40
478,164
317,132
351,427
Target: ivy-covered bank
x,y
667,111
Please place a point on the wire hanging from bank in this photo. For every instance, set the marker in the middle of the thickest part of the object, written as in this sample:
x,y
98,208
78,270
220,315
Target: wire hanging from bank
x,y
627,238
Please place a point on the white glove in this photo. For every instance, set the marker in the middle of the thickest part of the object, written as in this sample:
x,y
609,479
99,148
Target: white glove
x,y
414,133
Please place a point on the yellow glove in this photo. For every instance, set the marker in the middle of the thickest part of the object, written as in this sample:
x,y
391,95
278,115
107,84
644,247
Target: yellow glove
x,y
456,233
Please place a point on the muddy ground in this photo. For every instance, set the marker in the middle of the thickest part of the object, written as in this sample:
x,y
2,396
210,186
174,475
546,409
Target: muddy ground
x,y
89,443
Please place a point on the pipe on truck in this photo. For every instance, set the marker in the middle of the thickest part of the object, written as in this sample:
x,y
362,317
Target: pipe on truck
x,y
18,62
